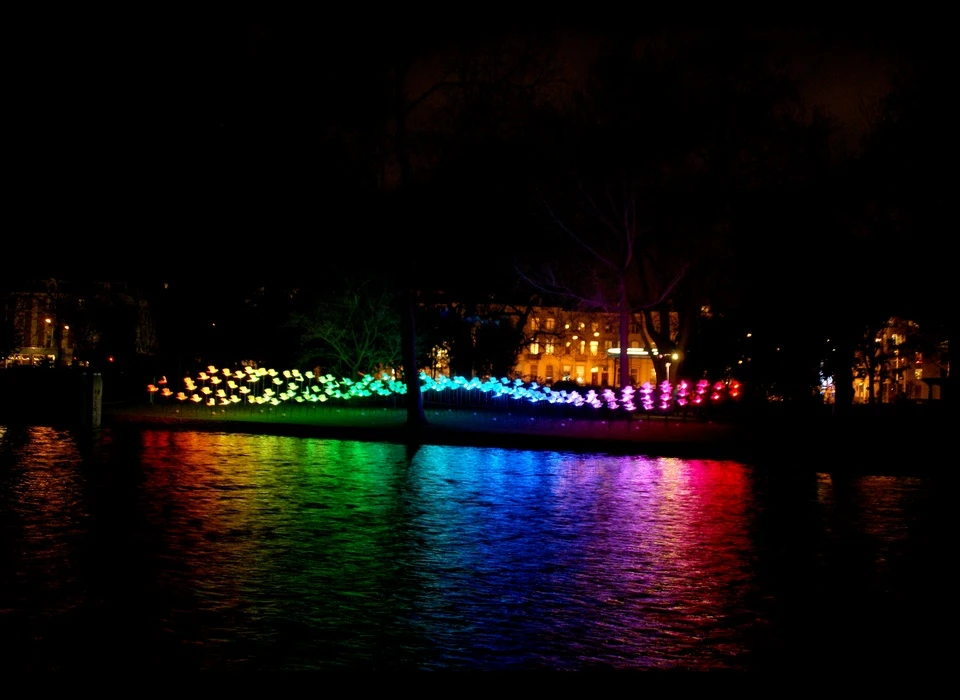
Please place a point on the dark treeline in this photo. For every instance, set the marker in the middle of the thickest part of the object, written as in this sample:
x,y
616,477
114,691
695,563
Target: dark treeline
x,y
680,170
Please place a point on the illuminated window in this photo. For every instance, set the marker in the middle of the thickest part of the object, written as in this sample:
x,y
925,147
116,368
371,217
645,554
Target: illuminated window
x,y
548,348
535,323
594,326
551,324
594,347
534,348
583,346
581,373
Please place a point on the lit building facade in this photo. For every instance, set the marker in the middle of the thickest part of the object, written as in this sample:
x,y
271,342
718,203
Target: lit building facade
x,y
40,337
897,368
584,347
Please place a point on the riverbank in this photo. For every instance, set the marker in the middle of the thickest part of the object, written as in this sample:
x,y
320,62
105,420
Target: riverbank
x,y
876,445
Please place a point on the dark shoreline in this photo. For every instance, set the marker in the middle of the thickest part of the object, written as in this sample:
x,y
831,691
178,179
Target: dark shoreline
x,y
852,444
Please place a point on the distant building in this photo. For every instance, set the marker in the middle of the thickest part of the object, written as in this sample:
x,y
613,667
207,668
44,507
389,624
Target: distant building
x,y
37,333
54,323
584,347
568,345
900,365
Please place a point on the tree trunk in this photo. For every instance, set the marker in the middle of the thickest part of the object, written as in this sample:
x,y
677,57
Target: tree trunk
x,y
625,318
411,374
659,368
843,377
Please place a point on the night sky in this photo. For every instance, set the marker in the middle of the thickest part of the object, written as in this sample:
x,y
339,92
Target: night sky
x,y
167,150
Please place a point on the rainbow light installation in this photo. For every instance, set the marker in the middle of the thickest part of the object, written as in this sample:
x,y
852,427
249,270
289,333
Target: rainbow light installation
x,y
252,387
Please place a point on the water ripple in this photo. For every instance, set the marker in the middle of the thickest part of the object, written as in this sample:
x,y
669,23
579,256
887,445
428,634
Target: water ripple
x,y
204,550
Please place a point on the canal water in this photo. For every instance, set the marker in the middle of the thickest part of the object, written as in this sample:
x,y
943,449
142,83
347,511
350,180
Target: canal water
x,y
154,550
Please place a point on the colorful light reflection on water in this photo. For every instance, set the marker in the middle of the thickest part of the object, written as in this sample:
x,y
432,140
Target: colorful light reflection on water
x,y
182,550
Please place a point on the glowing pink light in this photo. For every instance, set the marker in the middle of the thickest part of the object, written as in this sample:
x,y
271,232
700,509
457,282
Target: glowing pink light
x,y
647,399
666,395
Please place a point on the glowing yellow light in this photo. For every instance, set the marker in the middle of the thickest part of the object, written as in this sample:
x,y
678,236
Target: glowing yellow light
x,y
675,356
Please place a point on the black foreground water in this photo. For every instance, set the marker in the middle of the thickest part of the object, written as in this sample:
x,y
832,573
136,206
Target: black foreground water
x,y
155,550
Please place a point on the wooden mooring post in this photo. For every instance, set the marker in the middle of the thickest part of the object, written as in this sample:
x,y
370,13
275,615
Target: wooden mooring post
x,y
91,409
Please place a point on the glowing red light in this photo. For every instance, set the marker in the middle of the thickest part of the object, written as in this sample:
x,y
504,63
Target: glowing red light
x,y
110,358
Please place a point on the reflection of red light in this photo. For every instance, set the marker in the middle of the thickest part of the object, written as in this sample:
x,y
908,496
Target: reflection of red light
x,y
163,380
715,396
